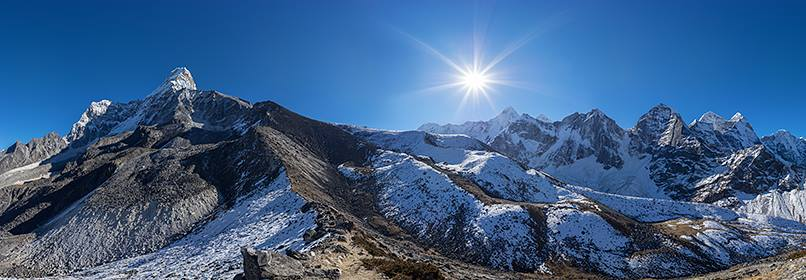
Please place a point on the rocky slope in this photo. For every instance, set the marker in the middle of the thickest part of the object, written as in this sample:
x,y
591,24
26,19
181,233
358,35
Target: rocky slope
x,y
484,192
710,160
185,182
786,266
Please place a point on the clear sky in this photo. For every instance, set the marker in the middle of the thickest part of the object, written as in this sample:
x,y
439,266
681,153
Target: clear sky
x,y
356,62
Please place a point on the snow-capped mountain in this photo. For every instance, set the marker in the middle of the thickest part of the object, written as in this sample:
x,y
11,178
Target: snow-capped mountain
x,y
175,101
485,131
725,136
787,147
711,160
486,191
658,128
190,184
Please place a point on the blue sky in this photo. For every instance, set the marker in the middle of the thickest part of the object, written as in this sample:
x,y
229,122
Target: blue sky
x,y
350,62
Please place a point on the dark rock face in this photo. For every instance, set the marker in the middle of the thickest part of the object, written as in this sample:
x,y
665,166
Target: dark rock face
x,y
36,150
678,168
270,265
603,134
659,127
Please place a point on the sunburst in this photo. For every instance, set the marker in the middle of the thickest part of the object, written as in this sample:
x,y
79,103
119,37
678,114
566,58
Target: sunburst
x,y
475,81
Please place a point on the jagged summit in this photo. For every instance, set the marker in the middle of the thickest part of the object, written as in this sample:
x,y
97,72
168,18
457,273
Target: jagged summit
x,y
507,115
718,122
787,146
596,111
509,111
783,132
786,134
598,116
95,110
175,101
661,108
710,118
38,149
179,79
725,136
660,126
661,153
738,117
482,130
543,118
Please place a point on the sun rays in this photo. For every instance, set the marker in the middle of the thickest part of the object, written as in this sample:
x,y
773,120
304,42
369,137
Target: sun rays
x,y
477,80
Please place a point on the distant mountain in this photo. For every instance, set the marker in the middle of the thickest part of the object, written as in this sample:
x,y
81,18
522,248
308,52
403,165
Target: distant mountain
x,y
189,184
710,160
176,101
787,147
35,151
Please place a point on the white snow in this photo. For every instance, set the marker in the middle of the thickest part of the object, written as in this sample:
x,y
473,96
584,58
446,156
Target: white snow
x,y
789,204
787,147
583,235
725,244
127,125
95,110
503,178
427,204
485,131
654,209
632,179
179,79
24,174
441,148
23,168
270,218
726,135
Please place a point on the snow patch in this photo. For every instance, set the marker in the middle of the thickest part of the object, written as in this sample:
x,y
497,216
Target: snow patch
x,y
270,218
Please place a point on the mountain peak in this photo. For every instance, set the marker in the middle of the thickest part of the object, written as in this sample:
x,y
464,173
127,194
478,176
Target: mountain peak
x,y
506,116
784,133
660,126
179,79
509,111
661,108
711,118
596,114
737,117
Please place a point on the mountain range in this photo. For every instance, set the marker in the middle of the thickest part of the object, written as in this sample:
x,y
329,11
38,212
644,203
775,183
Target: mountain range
x,y
188,183
710,160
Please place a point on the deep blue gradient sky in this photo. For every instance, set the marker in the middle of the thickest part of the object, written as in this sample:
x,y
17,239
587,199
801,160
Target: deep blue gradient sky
x,y
350,62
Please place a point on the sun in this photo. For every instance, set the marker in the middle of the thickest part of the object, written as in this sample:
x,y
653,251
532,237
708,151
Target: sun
x,y
475,81
478,79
